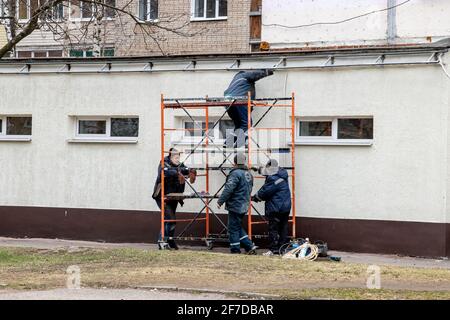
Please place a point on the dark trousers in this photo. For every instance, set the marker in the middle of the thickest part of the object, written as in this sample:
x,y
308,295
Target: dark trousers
x,y
278,230
170,209
239,115
237,234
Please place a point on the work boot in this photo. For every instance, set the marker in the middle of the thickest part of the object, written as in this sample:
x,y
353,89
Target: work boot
x,y
252,250
172,245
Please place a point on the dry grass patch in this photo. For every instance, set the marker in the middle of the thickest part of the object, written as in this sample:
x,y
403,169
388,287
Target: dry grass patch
x,y
124,268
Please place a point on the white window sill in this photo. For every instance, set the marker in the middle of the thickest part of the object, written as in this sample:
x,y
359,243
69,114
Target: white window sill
x,y
148,21
342,142
100,140
208,19
15,139
90,19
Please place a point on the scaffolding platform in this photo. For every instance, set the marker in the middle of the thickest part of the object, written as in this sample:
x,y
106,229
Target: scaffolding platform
x,y
235,150
183,196
207,147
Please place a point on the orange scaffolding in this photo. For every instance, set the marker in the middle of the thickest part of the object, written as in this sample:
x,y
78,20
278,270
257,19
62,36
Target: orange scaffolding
x,y
207,145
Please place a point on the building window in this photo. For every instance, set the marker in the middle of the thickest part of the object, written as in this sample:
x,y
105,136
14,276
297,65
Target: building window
x,y
355,128
192,133
39,53
315,128
107,127
209,9
148,10
109,11
92,127
124,127
84,10
336,130
26,8
15,126
86,53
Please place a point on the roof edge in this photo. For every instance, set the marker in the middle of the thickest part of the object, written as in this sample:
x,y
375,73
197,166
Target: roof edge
x,y
344,50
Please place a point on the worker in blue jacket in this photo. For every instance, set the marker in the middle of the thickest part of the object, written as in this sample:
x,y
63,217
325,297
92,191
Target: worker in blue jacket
x,y
277,196
236,196
242,83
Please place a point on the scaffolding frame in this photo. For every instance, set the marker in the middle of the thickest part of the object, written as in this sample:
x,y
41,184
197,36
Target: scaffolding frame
x,y
186,104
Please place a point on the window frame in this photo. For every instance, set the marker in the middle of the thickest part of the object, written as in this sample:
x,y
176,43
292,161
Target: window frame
x,y
107,137
80,18
13,137
19,20
204,18
329,140
85,51
33,51
148,13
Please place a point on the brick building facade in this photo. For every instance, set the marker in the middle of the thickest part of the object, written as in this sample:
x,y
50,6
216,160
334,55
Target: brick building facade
x,y
202,26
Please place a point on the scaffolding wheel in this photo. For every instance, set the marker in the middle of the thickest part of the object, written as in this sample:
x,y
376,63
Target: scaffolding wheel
x,y
209,244
162,245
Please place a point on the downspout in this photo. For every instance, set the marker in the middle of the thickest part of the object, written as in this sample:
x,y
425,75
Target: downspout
x,y
391,21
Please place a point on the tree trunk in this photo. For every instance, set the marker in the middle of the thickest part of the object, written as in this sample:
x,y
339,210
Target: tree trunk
x,y
9,25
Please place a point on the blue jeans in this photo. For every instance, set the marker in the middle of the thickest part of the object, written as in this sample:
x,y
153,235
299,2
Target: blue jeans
x,y
238,236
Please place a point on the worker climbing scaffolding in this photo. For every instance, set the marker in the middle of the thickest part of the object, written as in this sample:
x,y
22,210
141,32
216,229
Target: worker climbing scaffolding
x,y
243,83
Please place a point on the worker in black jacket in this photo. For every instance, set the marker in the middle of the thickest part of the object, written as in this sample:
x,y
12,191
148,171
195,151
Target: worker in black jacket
x,y
277,195
242,83
174,182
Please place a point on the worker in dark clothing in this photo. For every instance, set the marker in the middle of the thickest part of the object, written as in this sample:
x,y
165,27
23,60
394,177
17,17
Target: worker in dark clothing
x,y
236,196
277,195
174,182
242,83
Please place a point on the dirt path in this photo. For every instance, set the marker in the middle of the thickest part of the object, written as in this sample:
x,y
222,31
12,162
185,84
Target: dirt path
x,y
106,294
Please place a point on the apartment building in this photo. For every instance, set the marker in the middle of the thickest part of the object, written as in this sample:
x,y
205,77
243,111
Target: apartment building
x,y
150,27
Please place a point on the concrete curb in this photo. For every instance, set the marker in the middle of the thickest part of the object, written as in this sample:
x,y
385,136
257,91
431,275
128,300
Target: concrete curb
x,y
237,293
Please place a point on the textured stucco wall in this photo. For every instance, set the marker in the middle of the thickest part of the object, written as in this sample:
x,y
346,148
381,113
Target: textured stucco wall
x,y
418,21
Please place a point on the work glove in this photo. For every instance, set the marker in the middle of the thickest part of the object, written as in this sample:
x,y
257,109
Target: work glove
x,y
192,175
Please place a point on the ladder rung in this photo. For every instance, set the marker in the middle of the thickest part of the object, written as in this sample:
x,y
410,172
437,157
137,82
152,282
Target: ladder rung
x,y
260,222
184,220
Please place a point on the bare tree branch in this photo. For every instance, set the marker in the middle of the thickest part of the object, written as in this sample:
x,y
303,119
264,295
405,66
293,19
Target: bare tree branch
x,y
95,26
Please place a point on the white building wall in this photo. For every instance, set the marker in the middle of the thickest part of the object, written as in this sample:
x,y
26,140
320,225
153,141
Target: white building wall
x,y
402,176
417,21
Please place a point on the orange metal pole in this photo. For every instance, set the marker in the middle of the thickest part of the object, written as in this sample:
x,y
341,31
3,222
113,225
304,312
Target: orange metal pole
x,y
293,164
249,163
162,168
207,173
